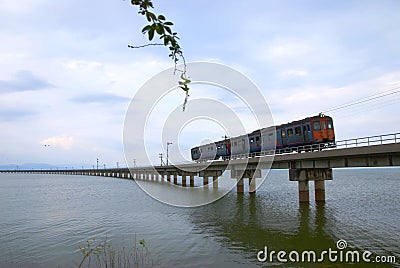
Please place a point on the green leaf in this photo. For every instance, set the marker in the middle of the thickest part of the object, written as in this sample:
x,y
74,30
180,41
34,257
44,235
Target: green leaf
x,y
146,28
168,23
161,17
150,16
168,29
159,28
151,34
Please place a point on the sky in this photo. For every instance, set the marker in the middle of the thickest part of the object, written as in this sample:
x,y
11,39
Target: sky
x,y
67,76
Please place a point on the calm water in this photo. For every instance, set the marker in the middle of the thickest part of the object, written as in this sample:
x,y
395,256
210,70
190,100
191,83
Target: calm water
x,y
44,218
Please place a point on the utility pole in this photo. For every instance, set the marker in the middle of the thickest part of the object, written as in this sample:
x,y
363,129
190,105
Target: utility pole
x,y
161,157
97,163
168,144
104,166
134,163
117,164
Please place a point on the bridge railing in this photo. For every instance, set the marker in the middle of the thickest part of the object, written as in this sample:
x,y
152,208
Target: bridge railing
x,y
356,142
368,141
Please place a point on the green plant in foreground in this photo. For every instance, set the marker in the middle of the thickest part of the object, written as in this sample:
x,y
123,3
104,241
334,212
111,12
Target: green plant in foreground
x,y
104,254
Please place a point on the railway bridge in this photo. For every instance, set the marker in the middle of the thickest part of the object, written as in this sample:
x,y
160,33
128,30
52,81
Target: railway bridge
x,y
305,164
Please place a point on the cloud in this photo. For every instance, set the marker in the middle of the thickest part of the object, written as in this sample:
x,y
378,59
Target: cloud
x,y
12,114
24,81
64,142
100,98
82,64
294,73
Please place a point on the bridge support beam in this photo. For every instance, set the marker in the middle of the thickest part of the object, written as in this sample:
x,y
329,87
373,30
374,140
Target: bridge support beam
x,y
304,175
250,174
210,173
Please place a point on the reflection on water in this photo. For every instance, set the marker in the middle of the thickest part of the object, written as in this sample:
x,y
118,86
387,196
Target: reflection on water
x,y
45,218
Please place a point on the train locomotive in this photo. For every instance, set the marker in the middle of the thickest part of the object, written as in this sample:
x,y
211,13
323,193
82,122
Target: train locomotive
x,y
304,133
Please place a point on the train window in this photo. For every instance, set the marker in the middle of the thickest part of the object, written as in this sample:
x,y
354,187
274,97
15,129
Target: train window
x,y
290,132
222,146
270,136
308,128
297,130
283,134
304,128
317,125
257,138
330,126
251,140
235,143
323,125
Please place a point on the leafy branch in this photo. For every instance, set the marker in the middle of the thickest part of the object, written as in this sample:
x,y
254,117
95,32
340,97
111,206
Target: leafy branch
x,y
161,27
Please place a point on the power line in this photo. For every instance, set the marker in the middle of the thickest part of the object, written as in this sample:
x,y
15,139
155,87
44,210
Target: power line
x,y
365,99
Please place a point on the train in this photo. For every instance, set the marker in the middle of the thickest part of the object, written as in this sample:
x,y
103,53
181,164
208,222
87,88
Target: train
x,y
305,133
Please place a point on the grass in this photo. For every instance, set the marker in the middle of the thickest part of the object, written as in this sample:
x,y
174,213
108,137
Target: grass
x,y
104,254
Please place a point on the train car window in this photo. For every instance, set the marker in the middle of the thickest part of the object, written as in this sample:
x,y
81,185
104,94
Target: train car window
x,y
270,136
235,143
317,125
297,130
330,126
290,132
251,140
304,128
323,125
283,134
308,128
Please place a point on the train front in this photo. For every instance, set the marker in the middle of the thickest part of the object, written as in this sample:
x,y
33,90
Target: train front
x,y
323,131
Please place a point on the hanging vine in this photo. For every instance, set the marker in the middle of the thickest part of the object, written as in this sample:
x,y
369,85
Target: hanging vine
x,y
159,26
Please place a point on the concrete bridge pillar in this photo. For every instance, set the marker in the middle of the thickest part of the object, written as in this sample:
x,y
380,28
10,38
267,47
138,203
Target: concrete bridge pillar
x,y
240,186
304,195
175,178
252,185
184,180
210,173
304,175
251,174
215,182
319,190
191,180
